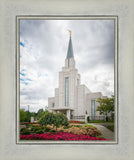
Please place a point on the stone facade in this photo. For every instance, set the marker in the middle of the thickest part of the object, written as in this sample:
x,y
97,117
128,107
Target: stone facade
x,y
73,98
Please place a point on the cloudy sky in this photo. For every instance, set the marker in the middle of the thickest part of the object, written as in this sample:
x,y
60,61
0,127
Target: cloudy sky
x,y
43,49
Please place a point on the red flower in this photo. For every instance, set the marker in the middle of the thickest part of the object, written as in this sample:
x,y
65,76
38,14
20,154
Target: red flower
x,y
60,136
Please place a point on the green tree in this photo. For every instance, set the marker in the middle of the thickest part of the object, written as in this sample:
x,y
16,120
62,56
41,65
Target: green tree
x,y
47,119
60,119
105,106
28,116
22,115
53,119
41,113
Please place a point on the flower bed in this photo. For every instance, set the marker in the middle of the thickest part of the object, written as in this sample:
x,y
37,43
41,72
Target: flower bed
x,y
91,131
23,123
79,122
60,136
72,128
81,129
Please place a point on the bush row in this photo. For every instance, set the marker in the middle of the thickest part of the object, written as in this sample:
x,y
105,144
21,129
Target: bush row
x,y
37,130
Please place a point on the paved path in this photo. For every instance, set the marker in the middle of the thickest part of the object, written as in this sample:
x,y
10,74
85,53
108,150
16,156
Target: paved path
x,y
105,132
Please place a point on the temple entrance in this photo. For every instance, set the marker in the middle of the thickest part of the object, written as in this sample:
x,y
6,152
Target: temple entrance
x,y
64,112
67,112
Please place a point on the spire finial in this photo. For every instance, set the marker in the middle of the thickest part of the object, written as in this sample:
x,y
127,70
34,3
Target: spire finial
x,y
70,47
70,32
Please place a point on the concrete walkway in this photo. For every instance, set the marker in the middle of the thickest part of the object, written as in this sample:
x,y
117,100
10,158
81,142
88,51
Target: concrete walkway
x,y
105,132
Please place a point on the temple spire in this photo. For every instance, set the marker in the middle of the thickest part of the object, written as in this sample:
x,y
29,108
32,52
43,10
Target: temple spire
x,y
70,32
70,48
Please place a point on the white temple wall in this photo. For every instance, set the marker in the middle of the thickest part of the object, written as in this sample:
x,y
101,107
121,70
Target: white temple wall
x,y
51,100
72,88
56,97
81,100
61,89
93,96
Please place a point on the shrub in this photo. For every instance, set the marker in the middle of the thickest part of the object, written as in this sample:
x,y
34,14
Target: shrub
x,y
111,127
85,130
42,127
37,128
79,126
91,131
60,119
47,119
22,129
27,125
39,131
66,127
76,130
47,129
88,119
87,125
34,128
54,119
30,125
25,131
82,122
61,130
52,130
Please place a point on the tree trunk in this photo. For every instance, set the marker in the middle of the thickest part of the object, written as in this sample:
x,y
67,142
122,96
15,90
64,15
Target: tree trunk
x,y
53,125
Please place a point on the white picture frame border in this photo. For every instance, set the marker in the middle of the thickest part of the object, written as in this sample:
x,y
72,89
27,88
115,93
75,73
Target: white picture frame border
x,y
67,17
8,147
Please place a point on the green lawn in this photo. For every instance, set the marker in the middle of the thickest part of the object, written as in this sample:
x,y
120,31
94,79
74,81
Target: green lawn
x,y
111,128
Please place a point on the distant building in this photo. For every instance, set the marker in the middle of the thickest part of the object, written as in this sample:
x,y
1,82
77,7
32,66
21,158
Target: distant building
x,y
73,98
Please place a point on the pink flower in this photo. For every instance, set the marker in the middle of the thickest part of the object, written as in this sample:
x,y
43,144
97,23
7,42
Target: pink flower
x,y
60,136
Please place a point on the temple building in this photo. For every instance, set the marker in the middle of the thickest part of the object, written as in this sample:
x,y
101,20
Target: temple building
x,y
72,98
